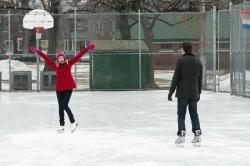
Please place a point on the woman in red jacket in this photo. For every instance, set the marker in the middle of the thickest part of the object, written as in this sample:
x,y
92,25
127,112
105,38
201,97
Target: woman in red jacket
x,y
64,81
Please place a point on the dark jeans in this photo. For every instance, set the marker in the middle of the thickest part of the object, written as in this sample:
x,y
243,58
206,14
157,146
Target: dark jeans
x,y
63,98
182,109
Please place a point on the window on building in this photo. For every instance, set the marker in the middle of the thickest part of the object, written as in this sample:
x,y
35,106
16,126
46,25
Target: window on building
x,y
8,44
20,27
45,45
79,26
224,45
19,44
166,47
5,25
66,45
72,44
66,33
79,45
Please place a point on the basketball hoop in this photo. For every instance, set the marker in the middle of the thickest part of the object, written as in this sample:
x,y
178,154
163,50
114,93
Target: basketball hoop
x,y
38,20
38,31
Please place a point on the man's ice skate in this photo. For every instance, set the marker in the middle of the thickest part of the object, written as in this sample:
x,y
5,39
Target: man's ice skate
x,y
74,126
181,139
60,129
197,138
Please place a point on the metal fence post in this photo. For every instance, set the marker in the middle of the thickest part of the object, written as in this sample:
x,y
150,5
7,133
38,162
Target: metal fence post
x,y
218,52
214,47
230,49
244,57
9,49
75,42
203,34
37,66
140,65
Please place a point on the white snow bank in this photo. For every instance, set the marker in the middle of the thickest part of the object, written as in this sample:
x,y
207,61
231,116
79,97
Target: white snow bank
x,y
224,83
248,75
15,66
164,74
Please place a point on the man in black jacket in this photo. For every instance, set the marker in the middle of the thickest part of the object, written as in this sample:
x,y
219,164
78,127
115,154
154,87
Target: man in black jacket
x,y
187,80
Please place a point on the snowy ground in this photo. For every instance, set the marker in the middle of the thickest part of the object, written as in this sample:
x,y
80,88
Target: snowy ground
x,y
121,129
162,77
81,68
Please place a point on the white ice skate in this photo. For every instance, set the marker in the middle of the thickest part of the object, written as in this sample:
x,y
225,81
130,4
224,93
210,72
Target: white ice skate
x,y
74,126
181,139
197,138
60,129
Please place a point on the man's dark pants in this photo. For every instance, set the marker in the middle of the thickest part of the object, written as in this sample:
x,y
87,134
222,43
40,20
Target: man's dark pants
x,y
182,109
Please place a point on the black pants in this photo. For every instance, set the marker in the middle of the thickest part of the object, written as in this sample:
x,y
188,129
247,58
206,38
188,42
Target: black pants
x,y
63,98
182,109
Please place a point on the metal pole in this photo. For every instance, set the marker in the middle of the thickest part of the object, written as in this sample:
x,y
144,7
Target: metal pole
x,y
140,65
218,51
204,47
244,57
214,46
37,65
9,50
75,42
230,54
238,82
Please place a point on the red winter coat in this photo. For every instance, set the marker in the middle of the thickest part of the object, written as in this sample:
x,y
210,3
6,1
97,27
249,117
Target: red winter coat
x,y
64,78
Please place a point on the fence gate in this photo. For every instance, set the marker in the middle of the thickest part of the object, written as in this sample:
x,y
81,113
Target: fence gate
x,y
240,50
210,51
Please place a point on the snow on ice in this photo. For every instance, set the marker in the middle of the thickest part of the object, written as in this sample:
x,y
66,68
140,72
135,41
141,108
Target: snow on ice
x,y
121,129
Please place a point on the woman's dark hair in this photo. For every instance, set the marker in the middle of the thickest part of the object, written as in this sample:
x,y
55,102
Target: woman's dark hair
x,y
187,47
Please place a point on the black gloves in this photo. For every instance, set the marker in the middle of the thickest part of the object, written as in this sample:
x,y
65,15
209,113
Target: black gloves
x,y
169,97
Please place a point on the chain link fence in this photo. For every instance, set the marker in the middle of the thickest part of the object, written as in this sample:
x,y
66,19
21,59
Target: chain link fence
x,y
134,51
209,66
223,51
240,55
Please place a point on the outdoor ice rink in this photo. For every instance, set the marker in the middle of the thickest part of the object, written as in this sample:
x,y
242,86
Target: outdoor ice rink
x,y
121,129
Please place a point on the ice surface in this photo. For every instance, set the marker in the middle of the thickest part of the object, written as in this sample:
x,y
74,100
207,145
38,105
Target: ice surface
x,y
121,129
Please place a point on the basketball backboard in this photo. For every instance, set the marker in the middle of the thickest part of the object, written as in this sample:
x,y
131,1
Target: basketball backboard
x,y
38,18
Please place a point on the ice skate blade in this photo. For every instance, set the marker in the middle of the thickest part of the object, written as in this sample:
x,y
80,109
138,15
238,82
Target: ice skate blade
x,y
197,144
59,132
72,131
180,145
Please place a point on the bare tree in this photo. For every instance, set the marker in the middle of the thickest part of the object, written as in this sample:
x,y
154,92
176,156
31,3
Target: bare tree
x,y
21,7
53,7
147,21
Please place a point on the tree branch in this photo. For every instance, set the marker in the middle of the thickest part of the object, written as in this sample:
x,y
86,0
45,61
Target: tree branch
x,y
179,22
97,3
14,8
131,25
44,5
